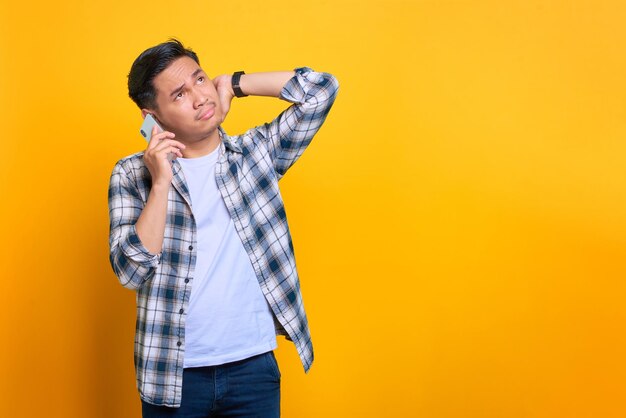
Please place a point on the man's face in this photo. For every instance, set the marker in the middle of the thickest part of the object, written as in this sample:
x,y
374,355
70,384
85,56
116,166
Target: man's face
x,y
187,102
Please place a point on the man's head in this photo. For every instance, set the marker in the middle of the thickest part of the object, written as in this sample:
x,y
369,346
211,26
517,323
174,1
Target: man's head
x,y
148,65
167,82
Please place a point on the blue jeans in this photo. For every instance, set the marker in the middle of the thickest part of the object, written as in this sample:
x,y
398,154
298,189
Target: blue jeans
x,y
245,388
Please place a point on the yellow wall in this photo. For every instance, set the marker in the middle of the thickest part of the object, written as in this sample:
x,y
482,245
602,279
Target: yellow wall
x,y
459,222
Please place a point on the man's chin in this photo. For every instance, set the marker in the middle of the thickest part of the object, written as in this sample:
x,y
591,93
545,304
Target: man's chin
x,y
208,133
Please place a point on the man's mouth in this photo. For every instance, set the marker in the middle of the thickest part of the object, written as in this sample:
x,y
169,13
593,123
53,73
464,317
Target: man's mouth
x,y
207,113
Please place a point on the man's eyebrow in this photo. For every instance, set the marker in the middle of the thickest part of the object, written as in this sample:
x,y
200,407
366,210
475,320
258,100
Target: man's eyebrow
x,y
193,75
175,92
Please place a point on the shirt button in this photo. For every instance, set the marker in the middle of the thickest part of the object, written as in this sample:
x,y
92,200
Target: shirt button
x,y
179,343
181,311
186,280
190,247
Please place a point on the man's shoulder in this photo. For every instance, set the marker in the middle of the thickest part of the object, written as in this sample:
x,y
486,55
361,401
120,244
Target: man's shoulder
x,y
131,162
131,167
136,158
248,141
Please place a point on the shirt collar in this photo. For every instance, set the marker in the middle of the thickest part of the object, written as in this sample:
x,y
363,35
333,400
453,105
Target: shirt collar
x,y
228,142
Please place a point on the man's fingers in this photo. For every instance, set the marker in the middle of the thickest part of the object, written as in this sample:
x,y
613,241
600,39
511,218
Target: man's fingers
x,y
157,137
164,138
175,151
166,144
171,142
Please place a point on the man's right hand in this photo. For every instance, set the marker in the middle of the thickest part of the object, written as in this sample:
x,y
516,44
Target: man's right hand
x,y
156,157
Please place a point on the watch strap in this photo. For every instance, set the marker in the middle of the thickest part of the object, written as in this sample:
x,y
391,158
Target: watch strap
x,y
235,82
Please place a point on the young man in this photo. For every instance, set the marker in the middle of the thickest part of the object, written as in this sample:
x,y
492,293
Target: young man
x,y
198,229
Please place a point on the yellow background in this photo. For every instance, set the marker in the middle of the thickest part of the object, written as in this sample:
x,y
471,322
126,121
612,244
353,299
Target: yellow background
x,y
459,221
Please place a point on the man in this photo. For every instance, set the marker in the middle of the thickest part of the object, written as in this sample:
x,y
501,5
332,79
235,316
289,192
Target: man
x,y
198,229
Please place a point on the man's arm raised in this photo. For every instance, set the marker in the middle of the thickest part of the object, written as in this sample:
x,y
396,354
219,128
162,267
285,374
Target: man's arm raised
x,y
267,84
312,94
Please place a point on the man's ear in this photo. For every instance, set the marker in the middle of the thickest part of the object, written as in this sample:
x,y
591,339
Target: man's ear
x,y
146,111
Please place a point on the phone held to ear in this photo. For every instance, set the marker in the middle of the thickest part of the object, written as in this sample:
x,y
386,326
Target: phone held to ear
x,y
146,128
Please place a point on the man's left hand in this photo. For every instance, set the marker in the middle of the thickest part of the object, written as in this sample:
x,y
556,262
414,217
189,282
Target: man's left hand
x,y
223,85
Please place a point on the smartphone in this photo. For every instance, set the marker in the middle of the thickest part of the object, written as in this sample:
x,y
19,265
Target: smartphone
x,y
146,128
146,131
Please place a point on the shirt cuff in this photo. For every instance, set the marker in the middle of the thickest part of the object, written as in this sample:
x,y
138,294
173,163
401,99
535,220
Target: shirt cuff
x,y
295,90
135,250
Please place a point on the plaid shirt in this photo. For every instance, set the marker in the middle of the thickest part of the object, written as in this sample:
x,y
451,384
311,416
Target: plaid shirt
x,y
247,174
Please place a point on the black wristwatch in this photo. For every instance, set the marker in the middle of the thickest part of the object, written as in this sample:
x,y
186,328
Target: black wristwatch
x,y
235,81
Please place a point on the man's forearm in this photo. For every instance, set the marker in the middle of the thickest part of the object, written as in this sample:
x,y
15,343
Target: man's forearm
x,y
150,225
264,84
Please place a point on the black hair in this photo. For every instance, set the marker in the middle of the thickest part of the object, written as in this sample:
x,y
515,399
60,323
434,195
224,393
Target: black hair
x,y
148,65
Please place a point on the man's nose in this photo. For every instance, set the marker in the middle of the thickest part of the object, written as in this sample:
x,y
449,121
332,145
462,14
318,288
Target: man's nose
x,y
199,98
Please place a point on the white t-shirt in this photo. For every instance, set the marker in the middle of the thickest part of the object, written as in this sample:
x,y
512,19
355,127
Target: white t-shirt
x,y
228,317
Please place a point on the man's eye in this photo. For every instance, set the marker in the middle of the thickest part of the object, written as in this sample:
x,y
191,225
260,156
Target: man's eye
x,y
201,79
179,96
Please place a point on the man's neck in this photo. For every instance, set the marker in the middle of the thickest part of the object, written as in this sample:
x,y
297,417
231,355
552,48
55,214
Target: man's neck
x,y
202,147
